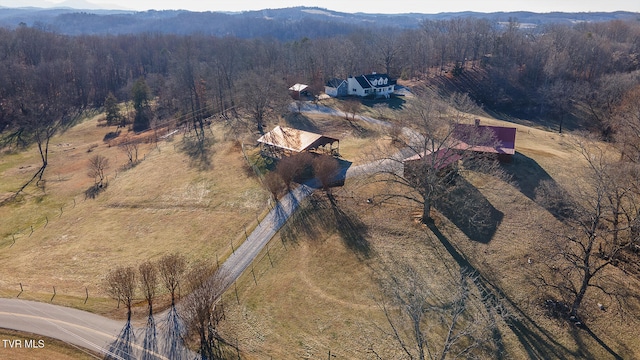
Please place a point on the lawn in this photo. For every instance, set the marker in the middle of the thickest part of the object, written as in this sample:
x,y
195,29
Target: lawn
x,y
314,294
316,289
162,205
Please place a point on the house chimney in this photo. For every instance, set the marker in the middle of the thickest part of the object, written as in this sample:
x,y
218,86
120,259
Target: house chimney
x,y
477,122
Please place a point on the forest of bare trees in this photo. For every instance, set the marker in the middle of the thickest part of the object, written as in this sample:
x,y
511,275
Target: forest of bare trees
x,y
503,67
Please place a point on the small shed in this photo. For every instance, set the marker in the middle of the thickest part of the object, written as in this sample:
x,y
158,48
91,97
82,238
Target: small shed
x,y
299,91
498,140
284,141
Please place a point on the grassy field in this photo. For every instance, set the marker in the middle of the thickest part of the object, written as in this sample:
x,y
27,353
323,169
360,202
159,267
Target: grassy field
x,y
161,205
316,290
58,238
315,294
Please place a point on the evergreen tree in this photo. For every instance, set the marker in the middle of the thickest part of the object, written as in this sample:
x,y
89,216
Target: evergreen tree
x,y
113,111
140,93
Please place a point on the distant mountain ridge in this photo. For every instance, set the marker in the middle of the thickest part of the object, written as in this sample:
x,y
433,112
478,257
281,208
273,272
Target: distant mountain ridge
x,y
283,24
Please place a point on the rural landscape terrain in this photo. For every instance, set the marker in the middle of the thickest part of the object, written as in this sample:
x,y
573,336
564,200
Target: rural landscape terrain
x,y
138,203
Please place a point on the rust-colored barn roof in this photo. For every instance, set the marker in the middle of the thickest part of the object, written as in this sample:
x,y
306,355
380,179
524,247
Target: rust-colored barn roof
x,y
484,138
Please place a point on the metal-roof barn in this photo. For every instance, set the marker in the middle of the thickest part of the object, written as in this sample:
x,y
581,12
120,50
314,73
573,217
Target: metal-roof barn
x,y
284,141
498,140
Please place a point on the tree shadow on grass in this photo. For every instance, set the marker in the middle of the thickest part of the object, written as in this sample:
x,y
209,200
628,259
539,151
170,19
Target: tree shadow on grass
x,y
341,176
198,150
321,214
535,183
394,102
301,122
537,341
351,229
470,211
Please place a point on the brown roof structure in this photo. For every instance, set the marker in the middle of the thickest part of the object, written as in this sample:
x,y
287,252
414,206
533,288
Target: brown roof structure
x,y
295,140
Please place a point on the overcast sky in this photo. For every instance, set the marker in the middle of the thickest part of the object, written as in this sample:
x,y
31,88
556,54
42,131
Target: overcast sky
x,y
381,6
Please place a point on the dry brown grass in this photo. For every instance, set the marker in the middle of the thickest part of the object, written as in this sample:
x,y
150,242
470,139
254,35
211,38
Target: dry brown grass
x,y
356,139
162,205
320,295
52,350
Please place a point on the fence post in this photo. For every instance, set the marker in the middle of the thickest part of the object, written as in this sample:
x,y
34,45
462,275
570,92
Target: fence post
x,y
254,275
54,294
269,255
236,288
86,298
21,290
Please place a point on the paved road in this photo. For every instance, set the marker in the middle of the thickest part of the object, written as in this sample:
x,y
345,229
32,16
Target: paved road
x,y
109,337
72,326
242,257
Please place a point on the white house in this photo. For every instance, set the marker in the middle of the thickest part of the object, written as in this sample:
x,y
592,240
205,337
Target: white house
x,y
374,85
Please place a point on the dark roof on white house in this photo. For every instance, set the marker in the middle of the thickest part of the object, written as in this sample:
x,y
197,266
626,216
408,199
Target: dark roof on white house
x,y
374,80
335,83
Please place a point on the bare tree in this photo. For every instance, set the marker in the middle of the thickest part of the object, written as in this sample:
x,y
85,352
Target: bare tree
x,y
325,169
98,164
172,268
600,219
43,107
350,107
627,125
294,167
202,309
148,282
273,182
130,148
261,95
429,325
121,283
423,163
